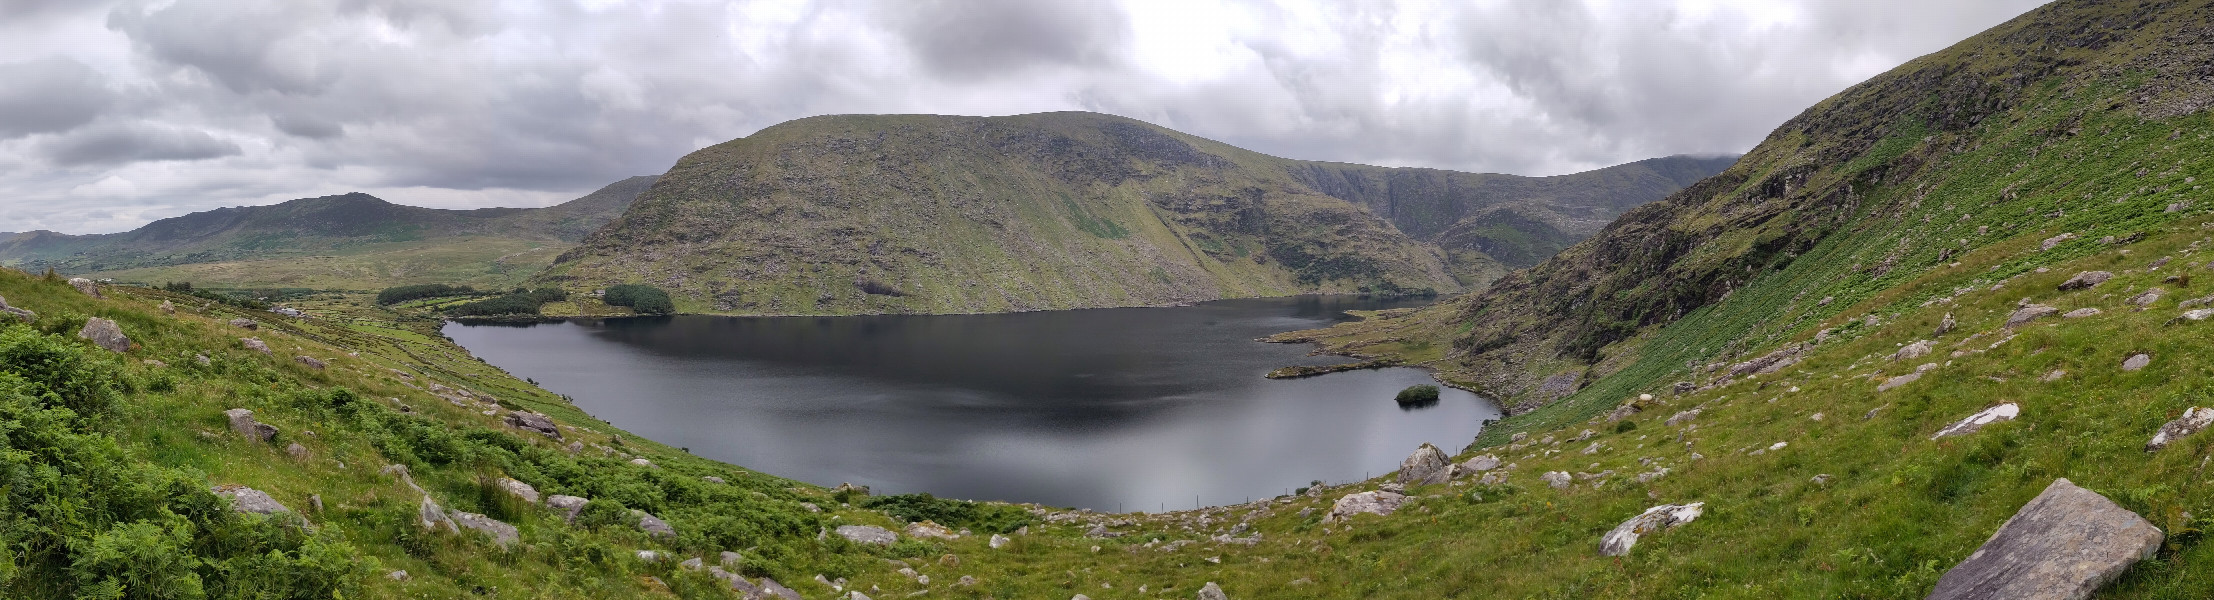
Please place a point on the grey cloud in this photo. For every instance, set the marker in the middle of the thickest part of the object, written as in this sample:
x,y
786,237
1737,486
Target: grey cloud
x,y
23,9
307,126
108,144
969,39
246,46
48,95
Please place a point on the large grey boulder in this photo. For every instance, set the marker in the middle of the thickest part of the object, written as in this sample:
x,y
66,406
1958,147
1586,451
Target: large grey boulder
x,y
85,286
569,506
431,516
868,534
2194,420
530,421
654,526
519,490
1375,503
1425,466
249,500
242,422
2085,280
502,533
1666,516
1915,350
105,334
1211,592
2064,545
1976,422
1480,463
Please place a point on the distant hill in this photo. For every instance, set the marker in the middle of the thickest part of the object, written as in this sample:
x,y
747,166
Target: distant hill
x,y
344,241
946,214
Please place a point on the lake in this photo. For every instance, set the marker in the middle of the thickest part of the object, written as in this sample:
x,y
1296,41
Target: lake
x,y
1109,409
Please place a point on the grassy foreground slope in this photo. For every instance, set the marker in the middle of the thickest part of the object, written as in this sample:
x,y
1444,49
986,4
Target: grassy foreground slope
x,y
352,242
942,214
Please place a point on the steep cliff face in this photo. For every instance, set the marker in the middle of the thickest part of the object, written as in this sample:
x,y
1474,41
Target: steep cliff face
x,y
2077,118
939,214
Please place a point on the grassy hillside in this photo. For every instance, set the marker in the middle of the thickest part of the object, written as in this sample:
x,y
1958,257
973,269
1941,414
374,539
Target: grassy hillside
x,y
938,214
353,241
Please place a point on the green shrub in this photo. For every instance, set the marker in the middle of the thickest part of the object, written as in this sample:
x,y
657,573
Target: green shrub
x,y
519,302
398,294
1625,426
643,299
1418,394
956,514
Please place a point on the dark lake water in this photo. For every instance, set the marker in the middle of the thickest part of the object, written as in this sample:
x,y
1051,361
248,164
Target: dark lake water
x,y
1109,409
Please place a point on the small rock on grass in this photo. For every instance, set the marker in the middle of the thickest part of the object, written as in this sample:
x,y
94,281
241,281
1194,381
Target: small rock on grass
x,y
1976,422
2194,420
1376,503
1667,516
2136,361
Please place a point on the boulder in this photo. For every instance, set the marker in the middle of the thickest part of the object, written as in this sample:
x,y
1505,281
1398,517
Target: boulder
x,y
2050,242
2136,361
1894,382
254,345
519,489
2146,299
2085,280
1682,417
771,589
502,533
85,286
400,575
105,334
713,479
242,422
432,517
692,564
1375,503
1915,350
848,488
1666,516
1945,326
998,541
568,506
167,308
246,324
2081,313
296,451
2194,420
1976,422
310,361
1425,466
1560,480
738,584
2029,313
2064,545
1480,463
1211,592
928,529
249,500
642,463
867,534
654,526
531,421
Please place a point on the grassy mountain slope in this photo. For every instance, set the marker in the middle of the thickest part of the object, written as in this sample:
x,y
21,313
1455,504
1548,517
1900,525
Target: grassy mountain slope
x,y
351,241
2078,118
939,214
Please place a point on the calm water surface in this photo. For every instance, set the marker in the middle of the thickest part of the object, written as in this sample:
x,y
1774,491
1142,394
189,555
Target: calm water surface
x,y
1110,409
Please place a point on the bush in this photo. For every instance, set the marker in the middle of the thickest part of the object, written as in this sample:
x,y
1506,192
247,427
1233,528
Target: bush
x,y
398,294
1418,394
643,299
1625,426
955,514
519,302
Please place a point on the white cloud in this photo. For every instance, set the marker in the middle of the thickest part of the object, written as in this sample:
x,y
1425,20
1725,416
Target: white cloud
x,y
150,108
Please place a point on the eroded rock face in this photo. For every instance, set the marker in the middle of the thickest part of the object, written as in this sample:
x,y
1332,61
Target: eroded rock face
x,y
2063,545
867,534
1666,516
1976,422
2085,280
243,423
1427,465
530,421
1375,503
249,500
105,334
2193,421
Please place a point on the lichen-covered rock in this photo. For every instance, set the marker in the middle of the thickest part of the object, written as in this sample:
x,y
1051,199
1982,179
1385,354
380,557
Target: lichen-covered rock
x,y
85,286
568,506
1915,350
296,451
530,421
1945,326
105,334
1375,503
2064,545
249,500
519,489
167,308
2085,280
1560,480
242,422
1425,466
867,534
2194,420
1666,516
1976,422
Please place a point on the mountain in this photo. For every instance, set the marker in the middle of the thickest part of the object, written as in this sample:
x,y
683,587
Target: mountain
x,y
2057,135
350,240
944,214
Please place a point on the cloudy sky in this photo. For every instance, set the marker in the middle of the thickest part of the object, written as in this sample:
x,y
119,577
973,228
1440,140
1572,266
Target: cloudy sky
x,y
115,113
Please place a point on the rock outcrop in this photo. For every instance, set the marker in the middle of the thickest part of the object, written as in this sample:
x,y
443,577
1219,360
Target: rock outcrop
x,y
2085,280
1560,480
1375,503
311,362
2024,315
2064,545
1426,466
243,423
519,490
502,533
568,506
1976,422
1211,592
85,286
2194,420
254,345
654,526
1666,516
246,324
530,421
249,500
867,534
105,334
